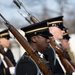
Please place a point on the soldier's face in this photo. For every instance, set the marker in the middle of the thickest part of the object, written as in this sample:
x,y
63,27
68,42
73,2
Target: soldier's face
x,y
4,42
65,44
56,32
42,43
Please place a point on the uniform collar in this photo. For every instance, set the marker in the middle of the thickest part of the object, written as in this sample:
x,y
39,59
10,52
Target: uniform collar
x,y
40,54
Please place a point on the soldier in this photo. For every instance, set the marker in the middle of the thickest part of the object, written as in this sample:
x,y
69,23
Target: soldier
x,y
37,36
5,43
66,48
65,40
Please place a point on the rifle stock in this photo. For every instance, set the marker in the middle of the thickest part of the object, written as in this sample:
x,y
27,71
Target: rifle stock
x,y
8,62
27,47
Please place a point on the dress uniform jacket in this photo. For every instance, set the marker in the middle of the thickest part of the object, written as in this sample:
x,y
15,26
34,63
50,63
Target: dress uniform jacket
x,y
6,70
26,66
22,67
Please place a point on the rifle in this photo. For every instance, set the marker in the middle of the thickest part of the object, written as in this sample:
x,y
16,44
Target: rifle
x,y
39,61
19,5
9,63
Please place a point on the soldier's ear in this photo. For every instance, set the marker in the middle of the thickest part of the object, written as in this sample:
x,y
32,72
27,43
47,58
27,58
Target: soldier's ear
x,y
33,39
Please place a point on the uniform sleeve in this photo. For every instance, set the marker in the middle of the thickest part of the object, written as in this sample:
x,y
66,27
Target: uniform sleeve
x,y
9,54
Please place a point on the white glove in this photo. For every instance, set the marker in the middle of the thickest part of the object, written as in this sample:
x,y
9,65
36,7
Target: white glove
x,y
12,70
73,73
